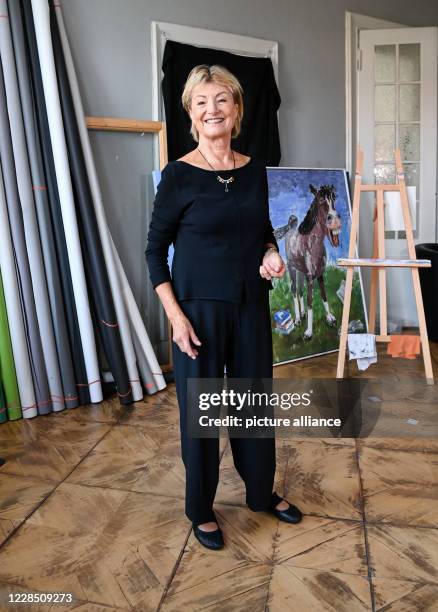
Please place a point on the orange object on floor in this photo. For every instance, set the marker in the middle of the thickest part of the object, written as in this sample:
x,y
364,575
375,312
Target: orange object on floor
x,y
406,347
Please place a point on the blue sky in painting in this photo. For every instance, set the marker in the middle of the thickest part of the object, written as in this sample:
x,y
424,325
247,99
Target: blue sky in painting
x,y
289,193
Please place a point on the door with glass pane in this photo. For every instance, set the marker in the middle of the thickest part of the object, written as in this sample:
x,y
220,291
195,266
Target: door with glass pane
x,y
397,108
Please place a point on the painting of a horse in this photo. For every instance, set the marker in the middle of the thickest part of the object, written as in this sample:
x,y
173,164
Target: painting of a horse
x,y
306,255
310,212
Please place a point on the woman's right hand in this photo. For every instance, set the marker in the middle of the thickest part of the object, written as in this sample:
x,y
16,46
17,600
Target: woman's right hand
x,y
183,333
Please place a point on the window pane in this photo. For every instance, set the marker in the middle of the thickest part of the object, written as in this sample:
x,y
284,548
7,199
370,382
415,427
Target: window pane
x,y
384,142
384,63
409,62
384,103
412,176
409,142
384,173
409,103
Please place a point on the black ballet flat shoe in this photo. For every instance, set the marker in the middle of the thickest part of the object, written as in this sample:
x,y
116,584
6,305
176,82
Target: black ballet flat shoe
x,y
290,515
210,539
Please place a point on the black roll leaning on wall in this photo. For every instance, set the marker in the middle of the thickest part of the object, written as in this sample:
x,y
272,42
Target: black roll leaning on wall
x,y
42,210
55,207
100,287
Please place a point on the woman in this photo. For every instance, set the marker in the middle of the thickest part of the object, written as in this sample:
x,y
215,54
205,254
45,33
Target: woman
x,y
213,205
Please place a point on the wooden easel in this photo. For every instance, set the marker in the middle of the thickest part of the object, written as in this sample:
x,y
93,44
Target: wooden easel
x,y
379,263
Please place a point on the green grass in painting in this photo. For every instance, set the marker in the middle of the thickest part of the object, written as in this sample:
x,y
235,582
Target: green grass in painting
x,y
325,338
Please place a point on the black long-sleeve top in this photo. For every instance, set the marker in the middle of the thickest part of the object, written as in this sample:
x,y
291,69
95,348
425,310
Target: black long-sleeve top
x,y
219,237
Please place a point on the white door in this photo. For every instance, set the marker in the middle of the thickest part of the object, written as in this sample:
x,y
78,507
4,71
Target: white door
x,y
397,108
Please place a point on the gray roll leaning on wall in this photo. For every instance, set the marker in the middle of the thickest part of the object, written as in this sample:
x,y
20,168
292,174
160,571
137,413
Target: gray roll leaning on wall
x,y
39,376
99,288
42,208
15,312
31,230
55,207
41,18
145,352
128,348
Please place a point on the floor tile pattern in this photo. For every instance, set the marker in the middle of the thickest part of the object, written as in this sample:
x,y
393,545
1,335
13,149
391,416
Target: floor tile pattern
x,y
92,502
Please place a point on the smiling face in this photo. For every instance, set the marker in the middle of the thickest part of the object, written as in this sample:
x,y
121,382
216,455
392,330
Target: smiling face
x,y
213,110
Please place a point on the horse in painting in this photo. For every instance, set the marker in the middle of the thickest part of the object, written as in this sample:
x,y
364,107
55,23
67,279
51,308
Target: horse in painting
x,y
306,255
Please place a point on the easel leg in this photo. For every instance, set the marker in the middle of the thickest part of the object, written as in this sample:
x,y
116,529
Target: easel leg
x,y
382,271
422,325
415,274
374,275
344,324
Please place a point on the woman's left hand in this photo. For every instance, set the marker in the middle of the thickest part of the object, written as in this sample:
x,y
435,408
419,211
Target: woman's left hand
x,y
272,266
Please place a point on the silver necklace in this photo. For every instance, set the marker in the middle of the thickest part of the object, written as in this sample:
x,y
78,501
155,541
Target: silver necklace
x,y
219,178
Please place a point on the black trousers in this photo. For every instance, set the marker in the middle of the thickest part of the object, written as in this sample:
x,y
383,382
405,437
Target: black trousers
x,y
238,336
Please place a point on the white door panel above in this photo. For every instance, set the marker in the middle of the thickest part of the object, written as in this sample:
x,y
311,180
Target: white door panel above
x,y
397,108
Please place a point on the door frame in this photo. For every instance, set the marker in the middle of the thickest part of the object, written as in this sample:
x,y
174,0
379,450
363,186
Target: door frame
x,y
354,23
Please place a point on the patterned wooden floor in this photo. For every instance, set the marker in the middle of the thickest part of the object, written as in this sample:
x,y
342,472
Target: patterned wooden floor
x,y
91,501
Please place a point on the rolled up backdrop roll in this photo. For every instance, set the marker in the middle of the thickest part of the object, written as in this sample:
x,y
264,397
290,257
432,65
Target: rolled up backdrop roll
x,y
32,236
125,333
15,312
72,320
146,358
3,413
41,386
138,330
116,288
100,287
3,408
41,17
7,366
43,214
143,366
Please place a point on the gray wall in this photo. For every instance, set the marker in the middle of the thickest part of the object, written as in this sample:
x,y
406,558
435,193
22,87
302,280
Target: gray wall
x,y
111,46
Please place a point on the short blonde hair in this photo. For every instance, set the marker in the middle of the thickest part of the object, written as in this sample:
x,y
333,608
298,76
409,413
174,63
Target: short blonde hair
x,y
213,74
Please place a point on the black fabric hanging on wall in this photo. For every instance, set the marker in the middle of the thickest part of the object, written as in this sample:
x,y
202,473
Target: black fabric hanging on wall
x,y
259,136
